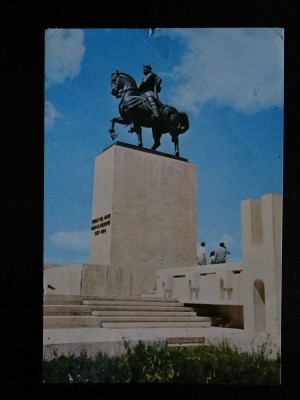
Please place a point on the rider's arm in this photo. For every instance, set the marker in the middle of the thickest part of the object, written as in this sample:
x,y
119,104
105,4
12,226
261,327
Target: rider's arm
x,y
158,83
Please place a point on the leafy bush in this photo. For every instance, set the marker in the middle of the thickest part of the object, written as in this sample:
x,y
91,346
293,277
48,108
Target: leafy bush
x,y
157,363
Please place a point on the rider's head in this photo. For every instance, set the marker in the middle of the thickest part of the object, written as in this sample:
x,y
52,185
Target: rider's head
x,y
147,68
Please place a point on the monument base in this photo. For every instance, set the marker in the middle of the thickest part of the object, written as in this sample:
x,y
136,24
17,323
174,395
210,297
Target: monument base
x,y
143,219
144,209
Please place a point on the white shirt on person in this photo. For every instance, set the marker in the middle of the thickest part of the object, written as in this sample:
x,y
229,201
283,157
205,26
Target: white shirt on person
x,y
201,257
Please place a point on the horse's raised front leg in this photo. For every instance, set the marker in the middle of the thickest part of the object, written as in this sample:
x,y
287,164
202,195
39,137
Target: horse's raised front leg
x,y
112,131
113,121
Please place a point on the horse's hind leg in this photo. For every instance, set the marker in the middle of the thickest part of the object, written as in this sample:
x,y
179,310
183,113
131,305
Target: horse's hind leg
x,y
138,131
156,137
175,140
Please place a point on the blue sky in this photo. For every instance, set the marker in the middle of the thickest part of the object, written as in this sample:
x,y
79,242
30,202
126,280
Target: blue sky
x,y
228,80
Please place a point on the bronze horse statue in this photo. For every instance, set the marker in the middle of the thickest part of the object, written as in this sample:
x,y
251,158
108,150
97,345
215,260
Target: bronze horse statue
x,y
135,111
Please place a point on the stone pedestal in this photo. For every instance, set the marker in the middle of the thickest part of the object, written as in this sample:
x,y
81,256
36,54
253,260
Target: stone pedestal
x,y
144,209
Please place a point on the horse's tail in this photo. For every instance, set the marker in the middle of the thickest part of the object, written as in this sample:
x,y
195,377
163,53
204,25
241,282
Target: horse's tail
x,y
183,122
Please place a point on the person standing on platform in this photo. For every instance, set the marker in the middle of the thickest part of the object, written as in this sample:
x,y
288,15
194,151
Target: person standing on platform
x,y
202,257
221,254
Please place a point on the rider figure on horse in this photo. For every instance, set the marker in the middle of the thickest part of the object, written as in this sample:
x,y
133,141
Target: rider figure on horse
x,y
151,87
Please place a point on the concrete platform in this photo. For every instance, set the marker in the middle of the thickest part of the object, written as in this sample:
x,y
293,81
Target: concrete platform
x,y
124,321
111,341
68,330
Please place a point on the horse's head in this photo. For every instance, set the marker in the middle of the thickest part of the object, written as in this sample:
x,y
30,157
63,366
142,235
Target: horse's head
x,y
120,83
116,84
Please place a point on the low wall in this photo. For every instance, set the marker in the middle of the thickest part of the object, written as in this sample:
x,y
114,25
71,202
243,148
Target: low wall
x,y
62,279
216,288
100,280
207,284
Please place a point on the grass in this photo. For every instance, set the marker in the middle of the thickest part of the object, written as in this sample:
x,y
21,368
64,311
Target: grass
x,y
157,363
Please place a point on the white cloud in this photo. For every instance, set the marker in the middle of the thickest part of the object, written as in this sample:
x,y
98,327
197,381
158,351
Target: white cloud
x,y
229,241
238,67
76,241
51,114
64,51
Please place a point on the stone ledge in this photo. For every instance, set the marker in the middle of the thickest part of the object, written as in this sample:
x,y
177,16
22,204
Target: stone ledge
x,y
145,150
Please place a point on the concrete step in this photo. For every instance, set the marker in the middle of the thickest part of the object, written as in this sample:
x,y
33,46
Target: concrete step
x,y
140,302
149,324
142,318
62,299
140,308
95,321
77,299
63,311
66,321
71,309
180,313
67,309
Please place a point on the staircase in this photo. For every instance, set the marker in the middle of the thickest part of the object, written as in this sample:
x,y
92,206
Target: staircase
x,y
67,311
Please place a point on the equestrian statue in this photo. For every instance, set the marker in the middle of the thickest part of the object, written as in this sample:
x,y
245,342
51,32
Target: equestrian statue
x,y
140,107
